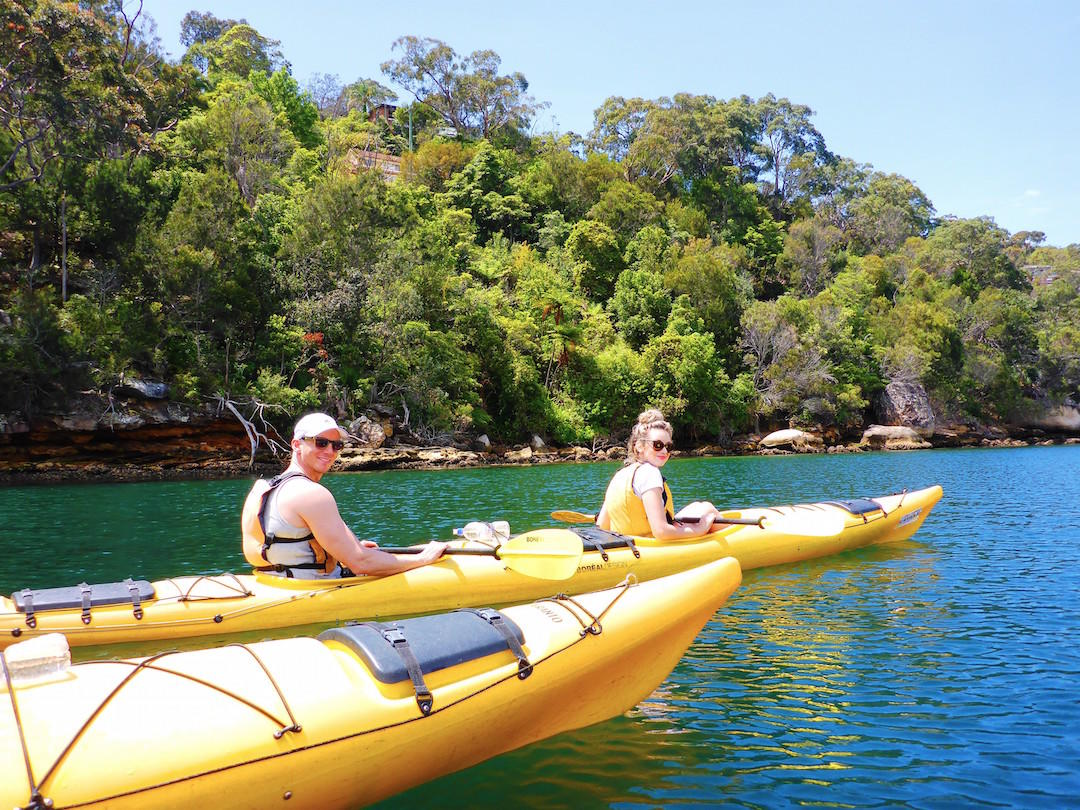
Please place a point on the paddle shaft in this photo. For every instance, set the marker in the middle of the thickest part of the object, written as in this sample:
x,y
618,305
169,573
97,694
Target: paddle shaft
x,y
483,552
581,517
486,552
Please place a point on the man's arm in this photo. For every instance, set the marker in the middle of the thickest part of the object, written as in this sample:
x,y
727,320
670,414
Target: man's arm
x,y
316,507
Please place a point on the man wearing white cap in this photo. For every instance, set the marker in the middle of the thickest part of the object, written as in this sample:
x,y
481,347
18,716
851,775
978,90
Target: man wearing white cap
x,y
291,524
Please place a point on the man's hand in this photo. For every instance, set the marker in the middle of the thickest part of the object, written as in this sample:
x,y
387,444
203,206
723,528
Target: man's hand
x,y
432,551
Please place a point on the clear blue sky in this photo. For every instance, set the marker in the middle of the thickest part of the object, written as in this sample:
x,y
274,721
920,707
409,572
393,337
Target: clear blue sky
x,y
975,102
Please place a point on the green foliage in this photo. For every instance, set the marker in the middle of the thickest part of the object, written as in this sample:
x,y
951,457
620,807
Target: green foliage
x,y
640,305
595,248
33,355
716,281
484,187
238,51
282,93
201,223
970,254
435,162
626,209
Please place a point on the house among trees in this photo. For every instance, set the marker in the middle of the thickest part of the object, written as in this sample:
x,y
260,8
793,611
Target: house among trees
x,y
382,112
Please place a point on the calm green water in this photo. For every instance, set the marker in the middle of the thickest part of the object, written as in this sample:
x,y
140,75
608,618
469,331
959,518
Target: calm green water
x,y
942,672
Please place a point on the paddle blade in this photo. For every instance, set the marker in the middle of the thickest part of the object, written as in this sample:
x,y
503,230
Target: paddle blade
x,y
810,523
543,554
569,516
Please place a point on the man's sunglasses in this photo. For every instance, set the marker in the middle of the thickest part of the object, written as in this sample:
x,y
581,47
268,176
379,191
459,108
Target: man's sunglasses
x,y
658,445
322,441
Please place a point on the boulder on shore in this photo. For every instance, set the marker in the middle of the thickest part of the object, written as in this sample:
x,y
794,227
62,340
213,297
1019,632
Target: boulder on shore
x,y
893,437
368,433
907,404
798,440
1065,418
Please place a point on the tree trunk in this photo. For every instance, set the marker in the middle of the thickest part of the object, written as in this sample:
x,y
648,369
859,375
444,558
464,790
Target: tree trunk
x,y
63,247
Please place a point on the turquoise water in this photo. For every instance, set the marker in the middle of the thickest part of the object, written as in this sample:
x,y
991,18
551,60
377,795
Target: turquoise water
x,y
940,672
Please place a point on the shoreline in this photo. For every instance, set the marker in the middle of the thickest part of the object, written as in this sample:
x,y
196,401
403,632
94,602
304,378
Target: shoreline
x,y
175,460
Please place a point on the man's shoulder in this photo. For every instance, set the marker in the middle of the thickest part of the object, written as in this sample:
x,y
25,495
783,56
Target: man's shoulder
x,y
300,486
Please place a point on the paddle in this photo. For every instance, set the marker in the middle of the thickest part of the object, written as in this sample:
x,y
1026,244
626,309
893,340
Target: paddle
x,y
541,556
809,523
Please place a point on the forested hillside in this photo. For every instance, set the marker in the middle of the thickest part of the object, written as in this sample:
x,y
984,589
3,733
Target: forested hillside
x,y
211,224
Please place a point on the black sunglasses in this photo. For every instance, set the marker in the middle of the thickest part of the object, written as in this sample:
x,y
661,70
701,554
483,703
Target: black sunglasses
x,y
322,441
659,445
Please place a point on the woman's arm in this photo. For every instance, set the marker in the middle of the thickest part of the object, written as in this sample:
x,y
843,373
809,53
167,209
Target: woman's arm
x,y
653,500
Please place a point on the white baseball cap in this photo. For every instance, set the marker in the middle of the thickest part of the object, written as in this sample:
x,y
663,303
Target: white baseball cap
x,y
315,423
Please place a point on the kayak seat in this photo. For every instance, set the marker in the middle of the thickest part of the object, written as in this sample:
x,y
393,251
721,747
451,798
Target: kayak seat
x,y
436,642
596,537
110,593
858,506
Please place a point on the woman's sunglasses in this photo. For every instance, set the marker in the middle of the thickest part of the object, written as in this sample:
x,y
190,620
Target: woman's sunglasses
x,y
658,445
322,441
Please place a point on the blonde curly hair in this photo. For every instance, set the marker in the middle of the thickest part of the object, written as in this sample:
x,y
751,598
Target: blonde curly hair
x,y
646,421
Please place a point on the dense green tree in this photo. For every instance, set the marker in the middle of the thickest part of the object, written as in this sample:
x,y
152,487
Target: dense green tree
x,y
236,52
891,210
283,94
595,249
970,253
811,256
786,134
485,187
716,281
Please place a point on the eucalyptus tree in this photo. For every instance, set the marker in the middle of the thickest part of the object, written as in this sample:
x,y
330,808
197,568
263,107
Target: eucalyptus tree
x,y
785,134
468,92
238,50
891,209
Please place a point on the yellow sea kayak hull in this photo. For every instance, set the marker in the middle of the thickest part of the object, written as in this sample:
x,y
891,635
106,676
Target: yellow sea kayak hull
x,y
203,728
185,607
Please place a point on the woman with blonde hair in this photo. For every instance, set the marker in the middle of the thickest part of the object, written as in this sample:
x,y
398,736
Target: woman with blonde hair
x,y
638,500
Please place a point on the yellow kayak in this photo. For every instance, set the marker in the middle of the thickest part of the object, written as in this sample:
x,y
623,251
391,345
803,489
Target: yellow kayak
x,y
531,566
346,718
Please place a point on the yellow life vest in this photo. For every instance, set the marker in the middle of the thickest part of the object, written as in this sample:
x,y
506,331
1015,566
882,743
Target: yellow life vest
x,y
625,510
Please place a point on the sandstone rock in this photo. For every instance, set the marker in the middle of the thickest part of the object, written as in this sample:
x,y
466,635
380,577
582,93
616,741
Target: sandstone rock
x,y
1062,417
907,404
482,443
536,443
797,440
368,434
893,437
518,456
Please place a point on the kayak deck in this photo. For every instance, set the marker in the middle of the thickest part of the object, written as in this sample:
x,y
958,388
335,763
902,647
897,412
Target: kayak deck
x,y
317,723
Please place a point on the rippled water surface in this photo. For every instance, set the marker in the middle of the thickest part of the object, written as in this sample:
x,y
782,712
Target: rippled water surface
x,y
940,672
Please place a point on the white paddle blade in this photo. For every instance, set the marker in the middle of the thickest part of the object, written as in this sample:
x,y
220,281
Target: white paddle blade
x,y
810,523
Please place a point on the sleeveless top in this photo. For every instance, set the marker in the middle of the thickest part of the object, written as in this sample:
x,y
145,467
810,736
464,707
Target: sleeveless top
x,y
625,509
287,548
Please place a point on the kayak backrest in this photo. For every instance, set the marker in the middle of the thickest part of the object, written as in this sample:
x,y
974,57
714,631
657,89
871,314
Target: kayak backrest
x,y
858,506
109,593
437,642
596,537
